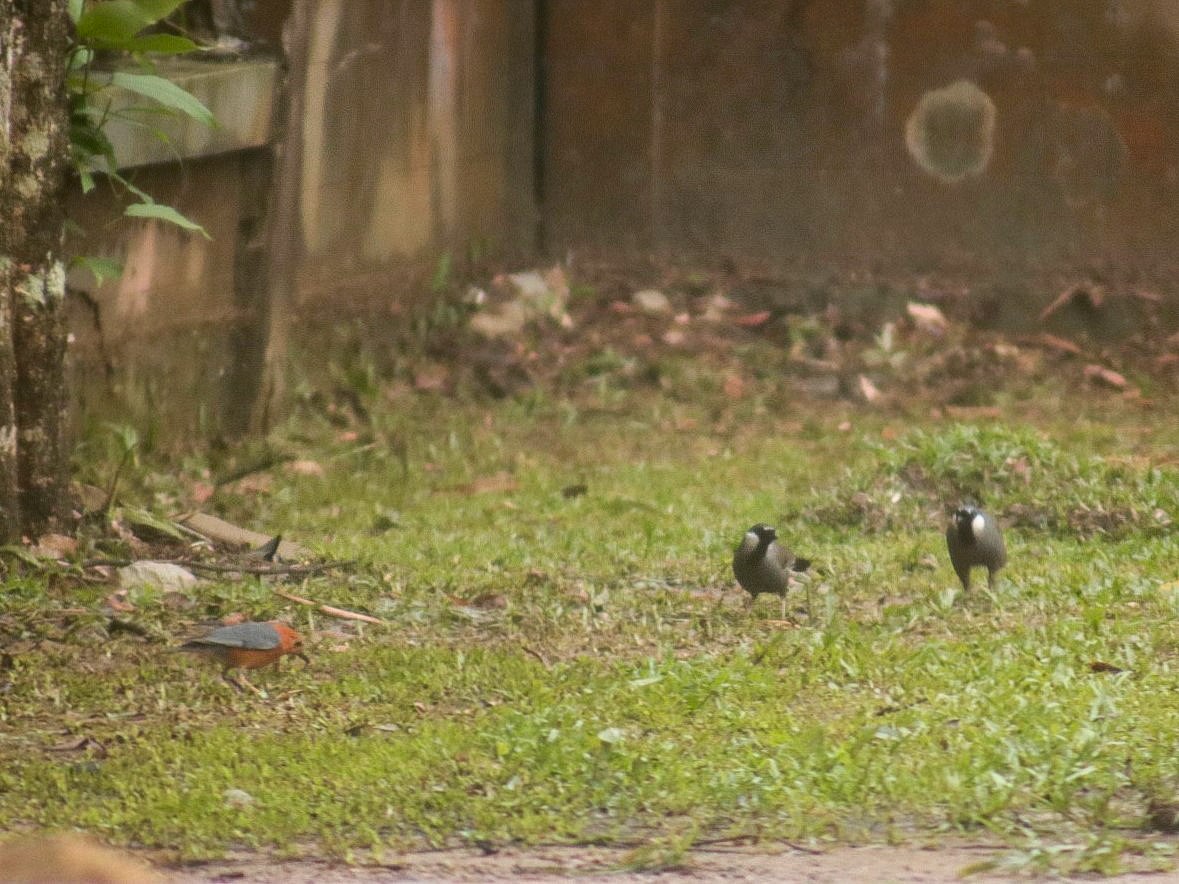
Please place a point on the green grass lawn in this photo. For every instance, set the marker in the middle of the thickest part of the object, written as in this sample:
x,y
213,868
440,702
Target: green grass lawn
x,y
582,668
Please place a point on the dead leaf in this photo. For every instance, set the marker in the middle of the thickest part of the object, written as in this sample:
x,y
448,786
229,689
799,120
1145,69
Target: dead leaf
x,y
1147,295
117,601
869,390
577,490
1109,377
973,412
305,468
928,318
234,618
1054,342
1090,296
202,492
54,546
259,483
80,744
500,482
734,386
91,498
673,337
1020,466
431,379
753,320
1099,666
489,600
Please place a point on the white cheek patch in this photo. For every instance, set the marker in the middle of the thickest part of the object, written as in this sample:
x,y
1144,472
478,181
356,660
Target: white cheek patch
x,y
978,524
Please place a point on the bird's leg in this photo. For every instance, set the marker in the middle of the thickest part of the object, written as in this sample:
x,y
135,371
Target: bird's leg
x,y
227,676
241,683
783,606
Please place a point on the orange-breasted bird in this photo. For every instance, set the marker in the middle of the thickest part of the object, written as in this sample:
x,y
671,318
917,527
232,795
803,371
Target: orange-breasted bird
x,y
248,646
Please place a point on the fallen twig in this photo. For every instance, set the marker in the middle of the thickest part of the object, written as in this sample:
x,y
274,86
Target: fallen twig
x,y
538,655
262,568
328,609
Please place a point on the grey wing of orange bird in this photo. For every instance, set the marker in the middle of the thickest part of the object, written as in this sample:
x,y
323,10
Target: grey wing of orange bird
x,y
251,636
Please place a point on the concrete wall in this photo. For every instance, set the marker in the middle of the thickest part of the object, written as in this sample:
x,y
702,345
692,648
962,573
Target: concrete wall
x,y
417,133
414,139
776,130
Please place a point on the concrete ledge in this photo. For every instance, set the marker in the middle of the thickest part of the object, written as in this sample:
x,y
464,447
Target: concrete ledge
x,y
240,94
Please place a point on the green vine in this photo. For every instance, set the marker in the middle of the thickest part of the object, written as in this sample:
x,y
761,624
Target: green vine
x,y
116,29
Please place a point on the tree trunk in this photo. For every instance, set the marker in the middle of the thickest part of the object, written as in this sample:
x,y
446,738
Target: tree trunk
x,y
34,170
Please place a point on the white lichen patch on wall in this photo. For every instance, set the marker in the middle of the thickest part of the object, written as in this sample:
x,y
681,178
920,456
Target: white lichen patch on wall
x,y
42,288
35,144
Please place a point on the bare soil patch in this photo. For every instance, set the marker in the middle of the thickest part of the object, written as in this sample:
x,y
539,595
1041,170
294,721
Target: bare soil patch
x,y
878,863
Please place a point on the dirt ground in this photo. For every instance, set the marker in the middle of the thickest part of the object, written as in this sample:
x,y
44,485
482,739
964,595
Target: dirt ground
x,y
883,864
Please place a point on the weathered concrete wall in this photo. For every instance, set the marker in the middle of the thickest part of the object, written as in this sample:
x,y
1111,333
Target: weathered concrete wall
x,y
417,135
777,130
415,140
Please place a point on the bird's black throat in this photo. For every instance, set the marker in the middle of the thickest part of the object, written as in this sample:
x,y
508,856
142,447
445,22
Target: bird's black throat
x,y
763,545
965,528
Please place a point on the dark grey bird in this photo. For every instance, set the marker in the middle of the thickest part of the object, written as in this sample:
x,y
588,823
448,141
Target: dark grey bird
x,y
762,565
974,539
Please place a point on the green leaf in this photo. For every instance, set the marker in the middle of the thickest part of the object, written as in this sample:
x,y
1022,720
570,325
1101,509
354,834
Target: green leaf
x,y
162,44
141,518
112,24
80,57
126,435
441,273
75,9
91,140
87,180
166,93
158,212
156,10
101,269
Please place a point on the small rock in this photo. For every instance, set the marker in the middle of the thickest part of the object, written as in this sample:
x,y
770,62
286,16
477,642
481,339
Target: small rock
x,y
673,337
716,307
161,575
928,319
305,468
54,546
237,798
651,301
508,320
